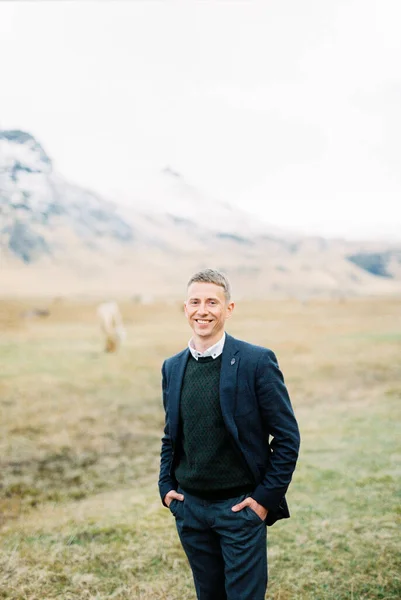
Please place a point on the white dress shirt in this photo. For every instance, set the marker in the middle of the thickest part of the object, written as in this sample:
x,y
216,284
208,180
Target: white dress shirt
x,y
213,351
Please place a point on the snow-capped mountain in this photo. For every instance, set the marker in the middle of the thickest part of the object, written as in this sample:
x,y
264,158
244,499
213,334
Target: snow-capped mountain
x,y
56,237
36,203
186,203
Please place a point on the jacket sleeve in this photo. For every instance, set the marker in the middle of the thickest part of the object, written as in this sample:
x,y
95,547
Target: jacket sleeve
x,y
279,422
166,481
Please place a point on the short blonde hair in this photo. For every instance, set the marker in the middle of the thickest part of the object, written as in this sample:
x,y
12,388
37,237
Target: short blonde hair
x,y
212,276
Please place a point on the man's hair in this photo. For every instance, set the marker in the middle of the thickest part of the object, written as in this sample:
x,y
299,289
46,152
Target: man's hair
x,y
212,276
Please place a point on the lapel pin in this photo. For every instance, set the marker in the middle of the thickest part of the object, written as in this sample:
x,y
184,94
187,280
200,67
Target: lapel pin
x,y
233,361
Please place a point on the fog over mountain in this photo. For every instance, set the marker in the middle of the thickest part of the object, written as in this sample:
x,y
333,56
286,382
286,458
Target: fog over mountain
x,y
57,238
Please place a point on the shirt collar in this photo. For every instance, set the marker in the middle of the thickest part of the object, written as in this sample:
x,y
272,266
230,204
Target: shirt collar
x,y
214,351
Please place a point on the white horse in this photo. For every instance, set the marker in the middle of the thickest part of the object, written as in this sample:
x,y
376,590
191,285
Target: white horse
x,y
112,325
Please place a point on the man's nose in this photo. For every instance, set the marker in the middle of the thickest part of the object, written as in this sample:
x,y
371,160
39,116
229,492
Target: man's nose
x,y
202,310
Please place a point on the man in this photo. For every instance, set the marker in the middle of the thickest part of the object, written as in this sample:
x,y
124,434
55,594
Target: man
x,y
219,475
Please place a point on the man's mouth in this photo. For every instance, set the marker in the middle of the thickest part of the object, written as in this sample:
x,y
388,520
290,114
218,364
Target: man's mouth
x,y
202,321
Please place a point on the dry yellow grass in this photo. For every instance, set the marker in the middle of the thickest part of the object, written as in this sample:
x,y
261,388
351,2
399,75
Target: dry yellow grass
x,y
79,445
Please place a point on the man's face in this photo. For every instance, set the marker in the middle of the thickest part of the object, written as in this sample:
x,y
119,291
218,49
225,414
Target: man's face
x,y
207,310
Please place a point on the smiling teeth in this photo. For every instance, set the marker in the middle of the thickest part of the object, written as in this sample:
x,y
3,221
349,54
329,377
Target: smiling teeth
x,y
199,321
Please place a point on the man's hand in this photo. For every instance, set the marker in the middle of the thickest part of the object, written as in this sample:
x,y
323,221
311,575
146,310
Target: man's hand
x,y
260,510
171,495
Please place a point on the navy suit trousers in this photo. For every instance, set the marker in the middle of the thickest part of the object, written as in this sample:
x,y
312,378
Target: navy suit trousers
x,y
226,550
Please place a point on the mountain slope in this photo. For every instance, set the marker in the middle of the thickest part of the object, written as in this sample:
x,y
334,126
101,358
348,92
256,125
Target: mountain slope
x,y
37,205
57,238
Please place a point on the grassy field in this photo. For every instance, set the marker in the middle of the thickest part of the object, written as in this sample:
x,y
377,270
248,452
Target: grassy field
x,y
79,444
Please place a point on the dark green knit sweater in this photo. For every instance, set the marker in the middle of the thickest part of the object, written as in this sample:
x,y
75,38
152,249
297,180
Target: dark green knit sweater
x,y
209,460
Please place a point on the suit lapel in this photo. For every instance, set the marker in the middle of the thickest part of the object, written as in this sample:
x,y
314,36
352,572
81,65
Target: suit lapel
x,y
175,385
228,383
228,388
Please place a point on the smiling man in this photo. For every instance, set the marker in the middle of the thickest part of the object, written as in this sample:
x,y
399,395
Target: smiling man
x,y
221,478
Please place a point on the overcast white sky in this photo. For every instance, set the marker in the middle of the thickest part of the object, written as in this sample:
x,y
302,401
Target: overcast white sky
x,y
288,108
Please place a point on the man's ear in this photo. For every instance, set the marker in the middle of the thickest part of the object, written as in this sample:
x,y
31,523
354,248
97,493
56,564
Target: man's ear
x,y
229,309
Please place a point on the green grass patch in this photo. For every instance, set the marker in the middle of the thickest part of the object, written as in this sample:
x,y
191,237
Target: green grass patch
x,y
80,432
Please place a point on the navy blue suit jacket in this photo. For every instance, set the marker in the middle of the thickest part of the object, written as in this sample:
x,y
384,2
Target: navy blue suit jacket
x,y
256,408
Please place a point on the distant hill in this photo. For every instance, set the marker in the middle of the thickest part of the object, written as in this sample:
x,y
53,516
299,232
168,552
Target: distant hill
x,y
57,238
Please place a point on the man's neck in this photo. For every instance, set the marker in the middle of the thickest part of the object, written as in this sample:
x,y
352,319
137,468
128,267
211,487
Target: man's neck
x,y
202,344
